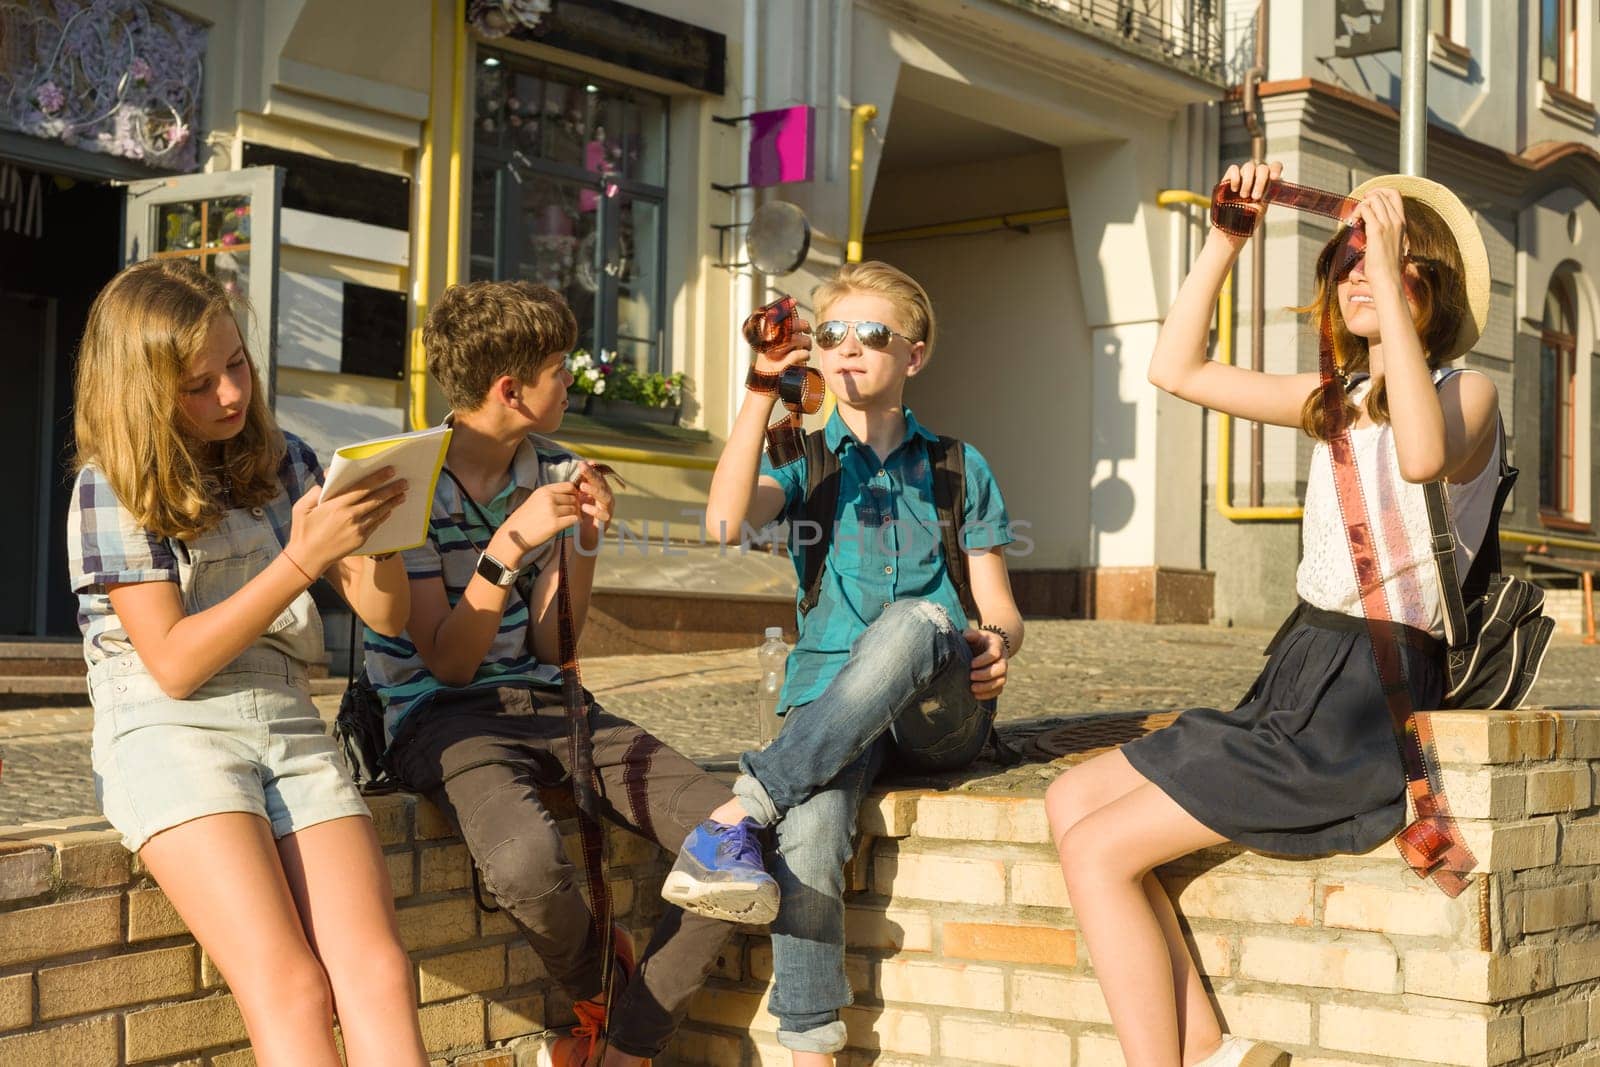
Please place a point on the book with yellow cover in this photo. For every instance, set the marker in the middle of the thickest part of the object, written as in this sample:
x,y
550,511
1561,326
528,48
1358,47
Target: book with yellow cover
x,y
417,457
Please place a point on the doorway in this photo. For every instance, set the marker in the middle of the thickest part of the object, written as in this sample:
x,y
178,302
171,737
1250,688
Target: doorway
x,y
60,240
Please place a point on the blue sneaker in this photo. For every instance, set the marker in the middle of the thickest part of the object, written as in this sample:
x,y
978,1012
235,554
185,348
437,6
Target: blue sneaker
x,y
720,874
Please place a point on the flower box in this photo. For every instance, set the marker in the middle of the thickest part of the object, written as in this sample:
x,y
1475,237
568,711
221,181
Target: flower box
x,y
620,410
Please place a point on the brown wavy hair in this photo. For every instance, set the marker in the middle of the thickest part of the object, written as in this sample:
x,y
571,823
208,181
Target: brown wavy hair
x,y
144,328
482,331
907,295
1440,292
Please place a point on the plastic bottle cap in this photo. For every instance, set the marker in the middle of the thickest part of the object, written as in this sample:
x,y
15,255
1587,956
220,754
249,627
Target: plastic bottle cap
x,y
775,633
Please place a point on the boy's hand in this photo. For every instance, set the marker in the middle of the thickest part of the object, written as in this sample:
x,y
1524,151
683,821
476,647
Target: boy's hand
x,y
547,511
793,352
988,663
595,500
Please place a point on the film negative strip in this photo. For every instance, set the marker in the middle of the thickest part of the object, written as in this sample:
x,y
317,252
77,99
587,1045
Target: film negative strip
x,y
772,329
586,786
1236,214
1432,844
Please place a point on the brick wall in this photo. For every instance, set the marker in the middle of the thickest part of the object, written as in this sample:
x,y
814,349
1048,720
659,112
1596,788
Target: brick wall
x,y
1566,607
962,946
97,969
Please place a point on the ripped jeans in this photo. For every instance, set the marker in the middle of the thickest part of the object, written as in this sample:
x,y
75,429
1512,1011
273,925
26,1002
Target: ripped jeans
x,y
910,668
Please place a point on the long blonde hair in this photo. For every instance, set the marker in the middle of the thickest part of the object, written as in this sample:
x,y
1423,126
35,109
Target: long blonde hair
x,y
907,295
144,328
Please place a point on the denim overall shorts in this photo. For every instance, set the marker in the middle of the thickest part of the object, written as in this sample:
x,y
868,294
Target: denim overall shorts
x,y
248,740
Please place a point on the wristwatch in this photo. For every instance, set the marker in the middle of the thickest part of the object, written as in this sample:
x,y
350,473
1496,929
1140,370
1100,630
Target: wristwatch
x,y
495,572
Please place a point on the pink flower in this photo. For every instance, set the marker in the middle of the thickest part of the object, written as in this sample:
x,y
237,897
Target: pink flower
x,y
230,238
50,98
139,70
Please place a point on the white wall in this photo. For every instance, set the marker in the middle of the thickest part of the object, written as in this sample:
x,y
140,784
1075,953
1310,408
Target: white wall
x,y
1011,371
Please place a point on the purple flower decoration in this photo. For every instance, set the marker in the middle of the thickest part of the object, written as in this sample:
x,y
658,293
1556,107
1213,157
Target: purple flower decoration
x,y
50,98
139,70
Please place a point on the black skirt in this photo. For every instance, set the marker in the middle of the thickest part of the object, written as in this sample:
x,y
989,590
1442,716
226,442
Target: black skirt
x,y
1307,764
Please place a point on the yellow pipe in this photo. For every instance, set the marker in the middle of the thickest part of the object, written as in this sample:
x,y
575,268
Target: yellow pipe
x,y
458,66
966,226
863,114
417,369
1518,537
1225,505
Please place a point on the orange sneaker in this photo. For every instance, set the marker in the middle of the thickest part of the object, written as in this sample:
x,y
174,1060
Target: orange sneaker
x,y
578,1048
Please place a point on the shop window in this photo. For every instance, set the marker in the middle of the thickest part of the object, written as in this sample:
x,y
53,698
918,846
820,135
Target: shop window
x,y
569,190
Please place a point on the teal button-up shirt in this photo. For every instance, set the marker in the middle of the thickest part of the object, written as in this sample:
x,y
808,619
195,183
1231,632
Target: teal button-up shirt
x,y
886,544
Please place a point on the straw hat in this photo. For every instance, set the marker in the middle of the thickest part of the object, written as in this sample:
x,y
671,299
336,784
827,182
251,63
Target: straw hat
x,y
1474,257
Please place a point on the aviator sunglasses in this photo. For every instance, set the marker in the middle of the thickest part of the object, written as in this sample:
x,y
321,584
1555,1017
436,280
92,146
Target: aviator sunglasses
x,y
876,335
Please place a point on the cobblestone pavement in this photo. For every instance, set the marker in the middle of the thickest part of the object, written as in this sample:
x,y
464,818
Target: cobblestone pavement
x,y
703,703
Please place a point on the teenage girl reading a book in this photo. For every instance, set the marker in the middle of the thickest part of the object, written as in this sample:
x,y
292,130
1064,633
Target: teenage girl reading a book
x,y
196,529
1308,762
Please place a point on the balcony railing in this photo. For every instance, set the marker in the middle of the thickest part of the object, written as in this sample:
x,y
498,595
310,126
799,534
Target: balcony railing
x,y
1187,33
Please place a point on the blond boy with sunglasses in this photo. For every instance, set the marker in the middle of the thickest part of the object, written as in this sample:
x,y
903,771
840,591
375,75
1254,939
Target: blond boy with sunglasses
x,y
889,664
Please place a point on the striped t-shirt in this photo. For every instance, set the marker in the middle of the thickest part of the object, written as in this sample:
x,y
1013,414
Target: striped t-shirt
x,y
459,529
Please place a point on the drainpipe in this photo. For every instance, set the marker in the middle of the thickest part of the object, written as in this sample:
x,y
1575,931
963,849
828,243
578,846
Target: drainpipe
x,y
1258,247
417,364
859,118
417,367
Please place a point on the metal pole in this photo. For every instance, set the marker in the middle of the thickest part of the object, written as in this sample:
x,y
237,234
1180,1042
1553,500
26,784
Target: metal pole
x,y
1413,87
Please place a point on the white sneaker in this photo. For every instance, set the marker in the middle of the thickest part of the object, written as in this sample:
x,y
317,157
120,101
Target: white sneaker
x,y
1243,1052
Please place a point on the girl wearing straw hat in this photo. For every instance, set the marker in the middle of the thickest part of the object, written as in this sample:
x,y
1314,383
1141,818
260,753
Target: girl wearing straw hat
x,y
1307,764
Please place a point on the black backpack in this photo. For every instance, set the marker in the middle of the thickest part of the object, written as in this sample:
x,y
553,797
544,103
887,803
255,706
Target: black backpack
x,y
1494,623
358,728
820,509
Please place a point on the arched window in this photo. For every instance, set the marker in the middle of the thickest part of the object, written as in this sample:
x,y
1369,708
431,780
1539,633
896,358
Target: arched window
x,y
1558,402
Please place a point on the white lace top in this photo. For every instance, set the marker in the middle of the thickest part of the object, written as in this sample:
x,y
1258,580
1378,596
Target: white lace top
x,y
1398,512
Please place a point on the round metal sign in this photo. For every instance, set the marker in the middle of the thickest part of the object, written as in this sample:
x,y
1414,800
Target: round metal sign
x,y
778,238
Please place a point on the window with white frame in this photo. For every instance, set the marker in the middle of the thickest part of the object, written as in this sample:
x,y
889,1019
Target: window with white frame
x,y
1558,402
1558,44
569,175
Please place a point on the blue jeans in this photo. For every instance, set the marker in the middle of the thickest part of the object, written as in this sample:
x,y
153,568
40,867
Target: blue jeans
x,y
815,841
908,673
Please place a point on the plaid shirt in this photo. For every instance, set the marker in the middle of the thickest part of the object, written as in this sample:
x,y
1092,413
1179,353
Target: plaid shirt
x,y
106,546
459,530
886,545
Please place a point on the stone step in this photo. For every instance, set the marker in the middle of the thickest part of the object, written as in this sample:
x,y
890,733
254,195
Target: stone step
x,y
42,656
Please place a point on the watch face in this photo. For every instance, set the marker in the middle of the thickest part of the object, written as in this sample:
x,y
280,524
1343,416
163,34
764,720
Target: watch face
x,y
495,571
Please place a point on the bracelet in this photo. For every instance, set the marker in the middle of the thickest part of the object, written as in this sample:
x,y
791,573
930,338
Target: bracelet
x,y
761,382
297,566
1005,638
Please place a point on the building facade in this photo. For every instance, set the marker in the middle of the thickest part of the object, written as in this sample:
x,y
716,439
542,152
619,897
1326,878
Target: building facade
x,y
344,161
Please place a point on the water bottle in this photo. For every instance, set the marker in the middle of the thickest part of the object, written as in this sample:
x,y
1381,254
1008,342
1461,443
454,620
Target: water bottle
x,y
772,655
